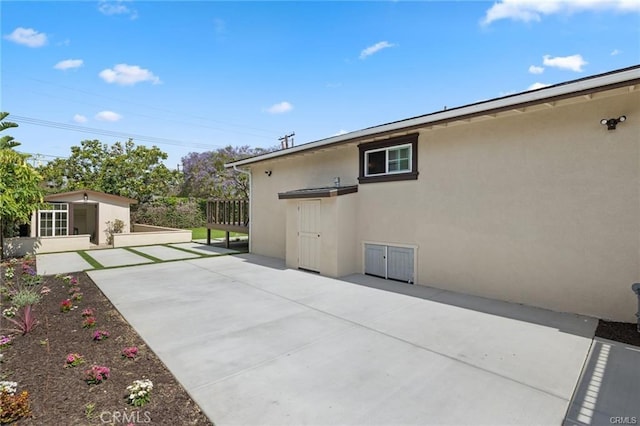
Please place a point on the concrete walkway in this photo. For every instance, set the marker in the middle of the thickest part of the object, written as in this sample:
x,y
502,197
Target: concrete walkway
x,y
65,263
257,344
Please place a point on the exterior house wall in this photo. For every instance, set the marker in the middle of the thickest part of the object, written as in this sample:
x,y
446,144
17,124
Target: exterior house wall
x,y
268,213
540,208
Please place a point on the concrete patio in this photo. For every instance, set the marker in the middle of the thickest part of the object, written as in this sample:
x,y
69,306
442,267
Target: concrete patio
x,y
255,343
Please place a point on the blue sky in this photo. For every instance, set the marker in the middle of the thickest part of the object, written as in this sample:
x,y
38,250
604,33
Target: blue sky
x,y
194,76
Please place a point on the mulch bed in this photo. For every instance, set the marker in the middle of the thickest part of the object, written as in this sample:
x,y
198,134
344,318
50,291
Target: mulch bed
x,y
60,396
619,331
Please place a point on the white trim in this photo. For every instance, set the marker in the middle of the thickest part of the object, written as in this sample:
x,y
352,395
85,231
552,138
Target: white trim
x,y
533,96
386,165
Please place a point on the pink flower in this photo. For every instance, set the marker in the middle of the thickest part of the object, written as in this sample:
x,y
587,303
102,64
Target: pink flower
x,y
130,352
100,335
65,305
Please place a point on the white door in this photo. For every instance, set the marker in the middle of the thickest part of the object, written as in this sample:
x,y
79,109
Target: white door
x,y
309,235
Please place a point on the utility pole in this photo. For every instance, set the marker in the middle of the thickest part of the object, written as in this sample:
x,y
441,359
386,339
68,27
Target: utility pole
x,y
284,141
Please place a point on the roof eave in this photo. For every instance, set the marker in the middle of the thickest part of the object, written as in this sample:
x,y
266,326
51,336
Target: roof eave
x,y
602,82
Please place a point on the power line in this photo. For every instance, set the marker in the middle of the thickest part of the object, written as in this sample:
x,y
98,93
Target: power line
x,y
103,132
174,113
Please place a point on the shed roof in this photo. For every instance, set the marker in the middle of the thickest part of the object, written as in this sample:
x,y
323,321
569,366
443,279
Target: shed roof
x,y
62,195
548,95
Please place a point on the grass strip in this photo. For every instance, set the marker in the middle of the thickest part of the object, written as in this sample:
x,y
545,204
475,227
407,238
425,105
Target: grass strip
x,y
90,260
145,255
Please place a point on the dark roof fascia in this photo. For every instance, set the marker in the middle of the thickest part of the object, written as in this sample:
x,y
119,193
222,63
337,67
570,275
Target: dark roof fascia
x,y
397,125
318,192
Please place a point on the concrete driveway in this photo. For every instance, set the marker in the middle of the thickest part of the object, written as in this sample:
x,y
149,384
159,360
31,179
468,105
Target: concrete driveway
x,y
257,344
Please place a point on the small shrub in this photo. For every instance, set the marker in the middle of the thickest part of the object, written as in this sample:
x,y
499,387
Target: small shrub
x,y
66,305
5,341
115,227
9,387
89,322
130,352
24,297
140,392
25,320
100,335
73,360
14,407
96,374
10,312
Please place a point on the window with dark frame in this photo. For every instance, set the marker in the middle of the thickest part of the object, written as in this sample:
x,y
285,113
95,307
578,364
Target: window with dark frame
x,y
389,160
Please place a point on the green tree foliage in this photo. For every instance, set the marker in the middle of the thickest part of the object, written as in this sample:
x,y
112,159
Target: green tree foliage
x,y
125,169
206,177
20,191
7,142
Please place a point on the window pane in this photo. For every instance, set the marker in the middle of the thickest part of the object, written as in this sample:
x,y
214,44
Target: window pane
x,y
376,162
399,159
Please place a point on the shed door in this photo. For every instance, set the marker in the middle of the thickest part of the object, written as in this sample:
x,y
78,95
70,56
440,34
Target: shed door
x,y
309,235
375,262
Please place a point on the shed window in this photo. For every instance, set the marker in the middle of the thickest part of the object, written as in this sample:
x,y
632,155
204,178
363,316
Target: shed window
x,y
54,220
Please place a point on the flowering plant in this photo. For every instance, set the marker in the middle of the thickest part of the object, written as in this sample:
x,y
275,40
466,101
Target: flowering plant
x,y
100,335
8,387
76,297
87,312
89,322
65,305
9,273
74,360
96,374
69,279
74,289
130,352
139,392
5,341
10,312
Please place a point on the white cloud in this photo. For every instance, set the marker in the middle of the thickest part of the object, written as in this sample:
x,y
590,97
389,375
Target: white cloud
x,y
28,37
78,118
533,69
375,48
68,64
128,75
533,10
108,116
280,108
615,52
117,7
572,63
536,86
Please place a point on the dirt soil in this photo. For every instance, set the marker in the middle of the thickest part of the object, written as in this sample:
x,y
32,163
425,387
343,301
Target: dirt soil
x,y
619,331
60,396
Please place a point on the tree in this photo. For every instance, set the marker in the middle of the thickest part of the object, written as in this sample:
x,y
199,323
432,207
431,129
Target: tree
x,y
206,177
20,191
129,170
7,142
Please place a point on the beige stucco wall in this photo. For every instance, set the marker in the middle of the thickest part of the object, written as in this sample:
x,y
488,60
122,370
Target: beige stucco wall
x,y
17,247
541,208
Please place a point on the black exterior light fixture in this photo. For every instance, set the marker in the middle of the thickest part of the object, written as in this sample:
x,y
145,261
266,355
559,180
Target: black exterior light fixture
x,y
611,123
85,197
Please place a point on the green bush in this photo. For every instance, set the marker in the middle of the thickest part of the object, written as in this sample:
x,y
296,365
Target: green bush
x,y
172,212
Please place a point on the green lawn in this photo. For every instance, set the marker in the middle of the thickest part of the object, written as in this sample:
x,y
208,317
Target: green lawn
x,y
201,233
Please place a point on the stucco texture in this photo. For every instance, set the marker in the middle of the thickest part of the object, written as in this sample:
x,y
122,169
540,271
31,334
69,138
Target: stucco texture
x,y
540,207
